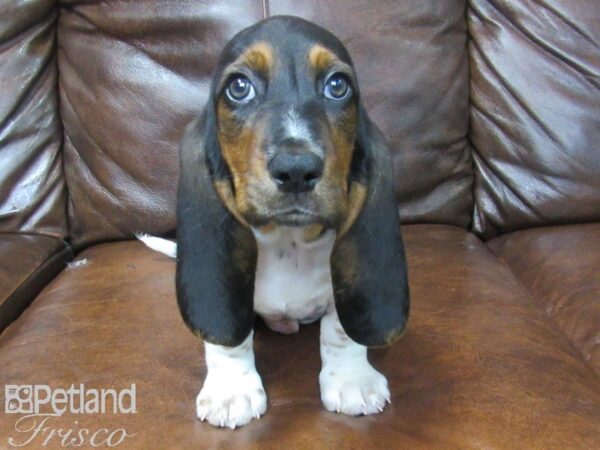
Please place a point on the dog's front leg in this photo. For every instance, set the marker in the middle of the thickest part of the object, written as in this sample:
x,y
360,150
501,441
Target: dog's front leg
x,y
233,393
349,384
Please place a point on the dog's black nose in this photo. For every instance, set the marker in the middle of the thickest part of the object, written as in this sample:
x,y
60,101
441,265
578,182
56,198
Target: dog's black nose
x,y
296,172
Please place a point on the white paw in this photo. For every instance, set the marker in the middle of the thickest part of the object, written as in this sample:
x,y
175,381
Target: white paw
x,y
359,391
231,401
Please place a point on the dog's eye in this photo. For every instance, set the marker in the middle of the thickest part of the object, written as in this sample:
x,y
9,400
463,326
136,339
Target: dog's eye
x,y
337,87
240,90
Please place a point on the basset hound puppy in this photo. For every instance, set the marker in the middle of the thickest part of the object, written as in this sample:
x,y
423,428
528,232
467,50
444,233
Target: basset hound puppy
x,y
286,209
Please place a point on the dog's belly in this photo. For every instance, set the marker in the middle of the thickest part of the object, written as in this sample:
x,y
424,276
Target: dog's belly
x,y
293,277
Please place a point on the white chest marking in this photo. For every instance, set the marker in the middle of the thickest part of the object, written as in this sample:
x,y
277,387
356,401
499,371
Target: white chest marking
x,y
293,277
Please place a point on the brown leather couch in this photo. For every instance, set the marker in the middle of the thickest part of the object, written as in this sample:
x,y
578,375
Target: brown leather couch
x,y
492,108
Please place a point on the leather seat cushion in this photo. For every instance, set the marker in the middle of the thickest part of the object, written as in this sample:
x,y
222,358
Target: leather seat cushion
x,y
479,367
560,267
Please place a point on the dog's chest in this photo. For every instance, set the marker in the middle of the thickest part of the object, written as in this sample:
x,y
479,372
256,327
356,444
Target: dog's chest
x,y
293,276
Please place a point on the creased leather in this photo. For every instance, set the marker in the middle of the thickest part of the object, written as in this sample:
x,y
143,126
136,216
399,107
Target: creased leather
x,y
32,188
133,74
535,127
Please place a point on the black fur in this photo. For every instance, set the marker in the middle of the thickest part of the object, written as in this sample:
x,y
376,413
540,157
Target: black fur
x,y
368,265
217,254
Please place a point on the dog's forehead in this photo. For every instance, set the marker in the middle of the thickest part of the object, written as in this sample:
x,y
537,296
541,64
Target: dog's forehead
x,y
288,37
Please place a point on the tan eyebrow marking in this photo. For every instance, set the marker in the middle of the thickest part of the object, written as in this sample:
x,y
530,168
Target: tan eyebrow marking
x,y
258,58
321,59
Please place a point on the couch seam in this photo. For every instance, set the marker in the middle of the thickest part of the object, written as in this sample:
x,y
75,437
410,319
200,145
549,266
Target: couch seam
x,y
67,238
473,149
48,258
265,9
66,253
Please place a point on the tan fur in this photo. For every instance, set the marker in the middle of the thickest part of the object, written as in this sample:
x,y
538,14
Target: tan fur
x,y
240,146
225,193
343,137
259,58
312,232
321,59
347,252
269,228
356,201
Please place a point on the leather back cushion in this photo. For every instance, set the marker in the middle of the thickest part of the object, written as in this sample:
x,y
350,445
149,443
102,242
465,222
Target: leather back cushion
x,y
535,121
32,189
134,73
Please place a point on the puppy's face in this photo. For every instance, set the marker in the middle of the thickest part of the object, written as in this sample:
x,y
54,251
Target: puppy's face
x,y
286,100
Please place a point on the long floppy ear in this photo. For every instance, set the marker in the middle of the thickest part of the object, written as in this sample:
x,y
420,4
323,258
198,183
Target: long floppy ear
x,y
216,253
368,265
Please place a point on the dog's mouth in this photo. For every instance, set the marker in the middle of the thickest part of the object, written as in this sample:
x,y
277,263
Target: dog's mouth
x,y
295,210
296,216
